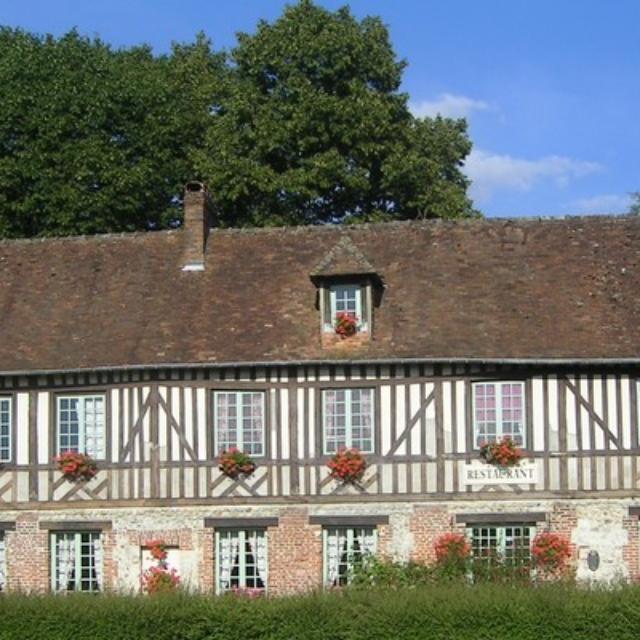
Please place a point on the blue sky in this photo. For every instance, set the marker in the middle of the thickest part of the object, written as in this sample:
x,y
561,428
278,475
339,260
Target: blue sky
x,y
551,89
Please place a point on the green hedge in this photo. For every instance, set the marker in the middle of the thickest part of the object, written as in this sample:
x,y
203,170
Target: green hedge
x,y
451,612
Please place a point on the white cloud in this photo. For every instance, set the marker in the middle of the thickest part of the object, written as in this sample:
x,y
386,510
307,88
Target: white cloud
x,y
492,172
604,203
448,105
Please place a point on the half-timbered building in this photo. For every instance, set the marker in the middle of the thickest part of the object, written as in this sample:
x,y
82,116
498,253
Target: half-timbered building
x,y
152,352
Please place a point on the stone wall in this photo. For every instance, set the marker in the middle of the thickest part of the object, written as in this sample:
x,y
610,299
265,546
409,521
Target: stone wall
x,y
295,551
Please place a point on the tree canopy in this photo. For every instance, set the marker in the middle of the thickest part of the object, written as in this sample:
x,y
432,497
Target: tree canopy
x,y
302,122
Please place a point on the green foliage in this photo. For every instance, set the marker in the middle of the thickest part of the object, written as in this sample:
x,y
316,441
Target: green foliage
x,y
311,127
439,611
634,209
302,123
93,139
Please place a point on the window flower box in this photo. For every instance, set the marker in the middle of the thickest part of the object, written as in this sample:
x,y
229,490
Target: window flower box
x,y
502,453
76,466
346,324
347,465
235,463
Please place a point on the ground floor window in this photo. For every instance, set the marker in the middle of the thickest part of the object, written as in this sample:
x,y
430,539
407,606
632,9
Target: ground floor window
x,y
345,548
3,562
501,547
241,560
76,561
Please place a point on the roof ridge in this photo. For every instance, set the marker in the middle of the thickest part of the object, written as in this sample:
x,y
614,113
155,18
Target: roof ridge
x,y
320,228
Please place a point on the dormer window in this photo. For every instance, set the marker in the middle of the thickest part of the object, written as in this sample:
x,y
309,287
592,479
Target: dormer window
x,y
349,299
348,289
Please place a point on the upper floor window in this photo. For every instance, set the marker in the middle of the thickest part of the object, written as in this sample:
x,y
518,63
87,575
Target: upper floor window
x,y
5,429
350,299
239,421
76,561
498,412
241,560
81,425
345,549
348,419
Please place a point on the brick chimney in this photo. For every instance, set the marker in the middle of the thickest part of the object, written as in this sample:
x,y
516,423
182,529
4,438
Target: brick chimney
x,y
197,221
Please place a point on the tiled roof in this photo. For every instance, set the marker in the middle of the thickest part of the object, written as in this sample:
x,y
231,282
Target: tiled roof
x,y
480,289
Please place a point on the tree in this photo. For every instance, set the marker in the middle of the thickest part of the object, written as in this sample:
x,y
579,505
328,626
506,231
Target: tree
x,y
96,140
310,127
634,209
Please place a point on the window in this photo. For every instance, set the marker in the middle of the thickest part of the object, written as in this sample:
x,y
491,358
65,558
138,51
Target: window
x,y
3,563
508,546
498,411
348,298
345,548
348,419
81,425
241,559
76,561
239,421
5,429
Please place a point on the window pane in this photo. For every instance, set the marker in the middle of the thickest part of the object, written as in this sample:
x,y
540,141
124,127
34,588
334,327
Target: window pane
x,y
5,429
344,550
335,420
76,562
239,421
499,412
241,559
68,425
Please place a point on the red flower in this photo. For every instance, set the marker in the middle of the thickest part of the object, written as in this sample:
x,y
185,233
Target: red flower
x,y
347,465
234,463
551,551
76,466
158,549
346,324
503,453
452,546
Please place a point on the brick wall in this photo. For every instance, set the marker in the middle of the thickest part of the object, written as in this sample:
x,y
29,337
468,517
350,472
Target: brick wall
x,y
295,553
27,550
295,546
426,525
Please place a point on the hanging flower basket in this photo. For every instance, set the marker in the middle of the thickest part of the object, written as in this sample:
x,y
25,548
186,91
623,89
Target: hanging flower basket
x,y
347,465
551,551
158,550
76,466
502,453
159,578
452,547
346,324
234,463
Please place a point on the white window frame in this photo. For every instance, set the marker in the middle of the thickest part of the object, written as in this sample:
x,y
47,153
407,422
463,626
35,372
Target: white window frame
x,y
242,535
348,419
360,291
98,454
332,535
6,429
501,537
95,540
240,444
499,421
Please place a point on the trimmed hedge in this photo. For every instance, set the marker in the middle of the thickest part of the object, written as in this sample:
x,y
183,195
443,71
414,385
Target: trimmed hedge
x,y
451,612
